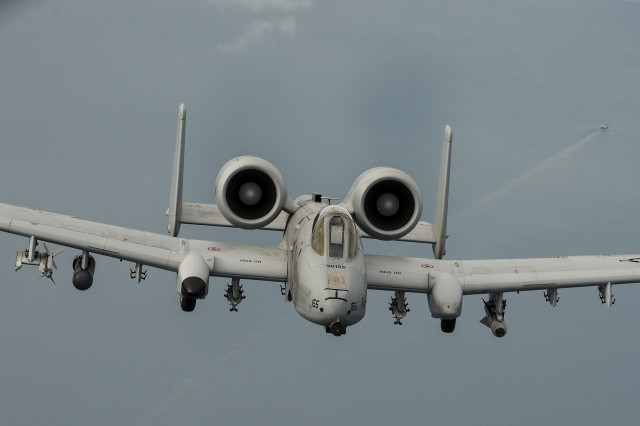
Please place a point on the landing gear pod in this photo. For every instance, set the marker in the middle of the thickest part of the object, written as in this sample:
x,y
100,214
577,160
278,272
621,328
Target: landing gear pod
x,y
448,325
445,300
193,281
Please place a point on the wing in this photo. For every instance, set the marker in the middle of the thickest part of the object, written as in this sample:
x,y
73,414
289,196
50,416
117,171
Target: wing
x,y
494,276
497,276
148,248
446,282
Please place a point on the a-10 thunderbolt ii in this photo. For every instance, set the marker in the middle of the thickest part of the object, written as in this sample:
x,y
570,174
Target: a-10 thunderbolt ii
x,y
320,261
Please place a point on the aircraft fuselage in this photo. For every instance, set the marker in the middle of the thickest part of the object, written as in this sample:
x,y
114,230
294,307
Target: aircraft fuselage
x,y
327,275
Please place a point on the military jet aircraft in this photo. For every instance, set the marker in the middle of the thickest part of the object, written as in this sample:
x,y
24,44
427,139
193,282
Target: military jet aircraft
x,y
320,261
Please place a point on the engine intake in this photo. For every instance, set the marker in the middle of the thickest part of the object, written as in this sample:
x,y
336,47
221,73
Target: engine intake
x,y
250,192
386,203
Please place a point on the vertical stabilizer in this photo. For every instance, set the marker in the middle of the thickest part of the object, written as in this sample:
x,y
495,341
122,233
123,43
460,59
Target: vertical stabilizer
x,y
442,202
175,198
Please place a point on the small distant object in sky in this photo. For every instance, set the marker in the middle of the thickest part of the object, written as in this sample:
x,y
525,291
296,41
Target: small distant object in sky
x,y
604,125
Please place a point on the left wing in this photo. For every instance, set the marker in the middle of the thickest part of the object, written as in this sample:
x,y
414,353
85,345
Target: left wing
x,y
497,276
447,281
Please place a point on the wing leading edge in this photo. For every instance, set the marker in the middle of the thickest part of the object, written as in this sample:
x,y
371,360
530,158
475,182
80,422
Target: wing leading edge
x,y
505,275
148,248
122,243
446,282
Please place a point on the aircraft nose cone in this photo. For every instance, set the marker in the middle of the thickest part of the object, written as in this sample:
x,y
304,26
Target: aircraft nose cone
x,y
250,193
388,204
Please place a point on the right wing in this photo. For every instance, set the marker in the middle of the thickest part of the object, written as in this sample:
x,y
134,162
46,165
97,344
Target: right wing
x,y
495,276
156,250
146,248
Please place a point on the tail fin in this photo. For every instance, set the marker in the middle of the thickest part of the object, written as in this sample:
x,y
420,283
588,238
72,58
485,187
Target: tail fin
x,y
442,202
175,198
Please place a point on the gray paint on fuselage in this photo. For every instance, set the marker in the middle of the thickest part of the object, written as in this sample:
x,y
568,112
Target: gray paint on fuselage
x,y
308,277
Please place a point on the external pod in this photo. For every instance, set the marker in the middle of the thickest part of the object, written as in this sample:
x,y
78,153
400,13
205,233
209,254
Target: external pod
x,y
83,277
250,192
386,203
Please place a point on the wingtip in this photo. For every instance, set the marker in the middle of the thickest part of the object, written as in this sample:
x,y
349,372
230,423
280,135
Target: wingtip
x,y
182,111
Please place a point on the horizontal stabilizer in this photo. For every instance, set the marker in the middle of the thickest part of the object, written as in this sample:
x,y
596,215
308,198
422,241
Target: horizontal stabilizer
x,y
209,214
422,233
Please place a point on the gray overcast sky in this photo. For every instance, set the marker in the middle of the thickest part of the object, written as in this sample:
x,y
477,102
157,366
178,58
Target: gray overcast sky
x,y
323,90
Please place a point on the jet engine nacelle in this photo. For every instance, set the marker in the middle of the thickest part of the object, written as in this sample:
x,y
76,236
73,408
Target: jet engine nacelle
x,y
386,203
83,278
250,192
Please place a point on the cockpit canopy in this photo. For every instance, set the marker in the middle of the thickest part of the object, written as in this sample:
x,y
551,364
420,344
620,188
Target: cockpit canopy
x,y
334,228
